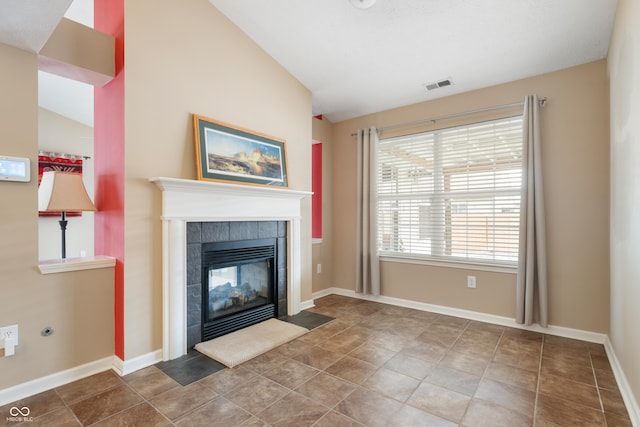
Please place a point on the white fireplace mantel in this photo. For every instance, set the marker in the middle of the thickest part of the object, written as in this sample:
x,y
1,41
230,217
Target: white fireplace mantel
x,y
186,201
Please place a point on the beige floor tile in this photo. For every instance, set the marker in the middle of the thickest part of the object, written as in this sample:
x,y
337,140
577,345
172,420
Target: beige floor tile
x,y
105,404
368,407
227,379
335,419
391,384
560,388
318,357
512,375
326,389
142,415
86,387
351,369
440,401
464,362
291,373
220,412
452,379
180,401
411,366
486,414
564,412
509,396
374,365
257,394
153,384
59,418
293,409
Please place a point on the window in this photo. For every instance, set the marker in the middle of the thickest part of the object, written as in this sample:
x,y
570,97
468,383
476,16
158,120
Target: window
x,y
452,194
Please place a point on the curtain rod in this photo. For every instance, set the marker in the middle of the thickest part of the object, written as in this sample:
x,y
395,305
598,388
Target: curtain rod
x,y
542,101
62,155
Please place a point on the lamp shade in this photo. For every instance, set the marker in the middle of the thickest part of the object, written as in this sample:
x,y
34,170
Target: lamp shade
x,y
63,191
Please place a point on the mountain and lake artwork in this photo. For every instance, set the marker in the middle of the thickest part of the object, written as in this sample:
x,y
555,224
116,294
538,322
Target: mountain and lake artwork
x,y
228,153
256,163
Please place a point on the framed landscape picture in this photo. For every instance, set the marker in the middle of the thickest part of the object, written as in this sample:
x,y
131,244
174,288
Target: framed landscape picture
x,y
228,153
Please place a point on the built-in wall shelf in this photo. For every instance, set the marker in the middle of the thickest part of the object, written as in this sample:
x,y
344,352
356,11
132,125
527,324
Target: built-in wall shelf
x,y
75,264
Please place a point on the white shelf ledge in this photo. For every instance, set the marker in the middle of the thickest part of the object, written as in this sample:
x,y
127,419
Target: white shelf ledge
x,y
208,187
51,266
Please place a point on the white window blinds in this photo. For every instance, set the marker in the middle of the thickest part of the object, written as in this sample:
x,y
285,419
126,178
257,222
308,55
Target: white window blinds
x,y
452,194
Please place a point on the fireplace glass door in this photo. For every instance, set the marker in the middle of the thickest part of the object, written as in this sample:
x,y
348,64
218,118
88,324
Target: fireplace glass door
x,y
238,287
239,279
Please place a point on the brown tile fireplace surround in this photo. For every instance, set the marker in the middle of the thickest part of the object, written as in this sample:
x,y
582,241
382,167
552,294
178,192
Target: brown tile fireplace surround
x,y
186,202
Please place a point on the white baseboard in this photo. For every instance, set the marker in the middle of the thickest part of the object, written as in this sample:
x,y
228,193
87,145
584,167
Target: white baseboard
x,y
131,365
629,398
304,305
58,379
471,315
324,293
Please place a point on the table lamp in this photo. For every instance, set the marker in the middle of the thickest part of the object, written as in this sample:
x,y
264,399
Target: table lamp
x,y
63,192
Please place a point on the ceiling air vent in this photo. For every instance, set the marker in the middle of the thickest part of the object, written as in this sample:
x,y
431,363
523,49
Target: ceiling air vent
x,y
437,85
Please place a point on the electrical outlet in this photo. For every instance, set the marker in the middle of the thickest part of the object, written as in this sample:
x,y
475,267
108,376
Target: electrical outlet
x,y
319,268
12,331
471,282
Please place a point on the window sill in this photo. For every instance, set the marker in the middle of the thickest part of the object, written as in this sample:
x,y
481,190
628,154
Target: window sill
x,y
450,264
75,264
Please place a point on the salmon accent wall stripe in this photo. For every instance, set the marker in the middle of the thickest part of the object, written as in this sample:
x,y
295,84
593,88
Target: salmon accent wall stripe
x,y
109,160
316,187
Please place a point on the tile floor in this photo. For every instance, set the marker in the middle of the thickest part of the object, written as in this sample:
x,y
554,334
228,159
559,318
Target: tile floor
x,y
374,365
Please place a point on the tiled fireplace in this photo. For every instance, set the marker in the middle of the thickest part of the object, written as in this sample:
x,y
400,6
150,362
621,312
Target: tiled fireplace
x,y
236,276
189,201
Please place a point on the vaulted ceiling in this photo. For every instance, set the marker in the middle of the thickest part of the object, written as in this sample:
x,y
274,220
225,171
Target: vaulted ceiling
x,y
359,61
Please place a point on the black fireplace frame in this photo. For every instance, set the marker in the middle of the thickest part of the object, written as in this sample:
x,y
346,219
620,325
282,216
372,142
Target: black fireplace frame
x,y
234,253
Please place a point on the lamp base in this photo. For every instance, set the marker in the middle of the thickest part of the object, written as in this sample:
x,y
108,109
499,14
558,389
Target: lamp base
x,y
63,229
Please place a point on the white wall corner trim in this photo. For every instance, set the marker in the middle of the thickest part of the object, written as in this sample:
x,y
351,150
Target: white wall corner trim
x,y
305,305
629,398
131,365
57,379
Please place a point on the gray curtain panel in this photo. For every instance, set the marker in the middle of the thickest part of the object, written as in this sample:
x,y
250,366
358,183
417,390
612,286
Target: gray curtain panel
x,y
531,289
367,261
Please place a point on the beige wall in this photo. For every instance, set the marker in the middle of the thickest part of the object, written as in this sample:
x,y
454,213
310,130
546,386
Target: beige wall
x,y
77,52
179,61
576,172
624,73
62,135
322,130
78,305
